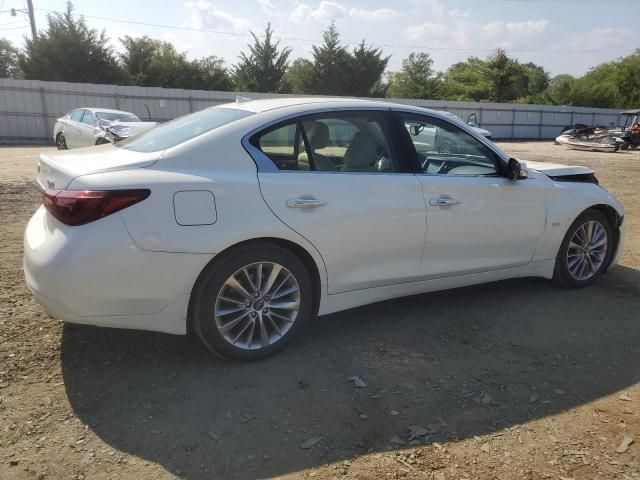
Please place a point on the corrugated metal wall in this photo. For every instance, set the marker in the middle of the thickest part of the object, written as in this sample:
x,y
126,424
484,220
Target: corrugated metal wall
x,y
29,108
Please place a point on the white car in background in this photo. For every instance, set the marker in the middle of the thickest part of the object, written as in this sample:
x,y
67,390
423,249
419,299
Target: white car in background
x,y
85,127
241,221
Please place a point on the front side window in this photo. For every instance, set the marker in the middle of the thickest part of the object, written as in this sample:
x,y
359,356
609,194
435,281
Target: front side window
x,y
445,149
335,142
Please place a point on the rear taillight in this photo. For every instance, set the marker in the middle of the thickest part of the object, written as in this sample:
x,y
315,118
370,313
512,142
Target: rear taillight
x,y
77,207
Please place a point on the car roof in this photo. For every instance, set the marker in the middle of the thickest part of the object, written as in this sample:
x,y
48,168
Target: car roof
x,y
296,105
103,110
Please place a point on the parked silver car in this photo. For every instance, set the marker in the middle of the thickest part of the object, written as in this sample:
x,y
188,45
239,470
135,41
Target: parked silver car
x,y
84,127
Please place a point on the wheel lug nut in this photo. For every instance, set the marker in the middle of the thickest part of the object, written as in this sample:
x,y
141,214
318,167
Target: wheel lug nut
x,y
256,295
267,298
265,310
248,304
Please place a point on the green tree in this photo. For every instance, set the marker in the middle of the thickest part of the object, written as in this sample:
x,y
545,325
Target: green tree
x,y
467,81
367,67
331,66
262,70
156,63
416,79
69,51
8,59
560,90
298,77
210,73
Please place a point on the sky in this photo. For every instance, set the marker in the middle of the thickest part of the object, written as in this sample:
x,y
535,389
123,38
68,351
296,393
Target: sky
x,y
564,36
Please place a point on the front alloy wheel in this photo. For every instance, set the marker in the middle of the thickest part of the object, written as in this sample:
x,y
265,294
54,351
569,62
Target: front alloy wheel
x,y
61,142
251,301
585,251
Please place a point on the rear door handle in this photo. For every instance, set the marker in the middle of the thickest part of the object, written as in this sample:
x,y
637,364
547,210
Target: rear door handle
x,y
305,203
443,202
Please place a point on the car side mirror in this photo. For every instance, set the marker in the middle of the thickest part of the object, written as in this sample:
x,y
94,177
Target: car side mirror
x,y
472,120
514,169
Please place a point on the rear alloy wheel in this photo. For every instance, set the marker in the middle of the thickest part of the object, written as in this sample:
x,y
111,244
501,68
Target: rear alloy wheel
x,y
585,251
250,304
61,142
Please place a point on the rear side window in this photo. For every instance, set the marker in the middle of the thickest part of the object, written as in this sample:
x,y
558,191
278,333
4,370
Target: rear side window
x,y
332,142
182,129
76,115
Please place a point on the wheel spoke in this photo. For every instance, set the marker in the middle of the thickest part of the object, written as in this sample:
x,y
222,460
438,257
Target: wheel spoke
x,y
259,278
237,286
273,275
231,300
228,311
227,327
264,336
285,292
248,277
244,329
281,317
286,305
274,325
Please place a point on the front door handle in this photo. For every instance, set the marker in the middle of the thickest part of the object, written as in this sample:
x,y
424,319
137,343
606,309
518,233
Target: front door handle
x,y
305,203
443,202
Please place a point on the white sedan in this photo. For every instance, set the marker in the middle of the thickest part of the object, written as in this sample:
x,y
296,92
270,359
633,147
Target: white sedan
x,y
240,222
84,127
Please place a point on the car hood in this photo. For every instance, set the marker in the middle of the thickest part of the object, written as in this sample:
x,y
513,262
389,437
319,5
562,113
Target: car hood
x,y
556,169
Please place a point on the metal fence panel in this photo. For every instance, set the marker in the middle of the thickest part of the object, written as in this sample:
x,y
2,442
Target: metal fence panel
x,y
29,108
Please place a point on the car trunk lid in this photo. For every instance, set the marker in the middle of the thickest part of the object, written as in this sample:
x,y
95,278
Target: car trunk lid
x,y
56,170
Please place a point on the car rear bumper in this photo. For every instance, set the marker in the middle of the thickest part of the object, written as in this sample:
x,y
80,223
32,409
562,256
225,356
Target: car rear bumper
x,y
94,274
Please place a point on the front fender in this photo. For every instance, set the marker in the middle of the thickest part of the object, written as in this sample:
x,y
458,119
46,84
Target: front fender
x,y
565,203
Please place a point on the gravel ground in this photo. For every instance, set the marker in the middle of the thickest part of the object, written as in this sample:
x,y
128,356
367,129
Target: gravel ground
x,y
516,379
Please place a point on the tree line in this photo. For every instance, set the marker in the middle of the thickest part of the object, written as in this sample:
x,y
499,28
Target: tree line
x,y
68,50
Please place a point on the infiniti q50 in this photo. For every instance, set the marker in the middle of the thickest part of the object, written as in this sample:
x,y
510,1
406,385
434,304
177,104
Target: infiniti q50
x,y
242,221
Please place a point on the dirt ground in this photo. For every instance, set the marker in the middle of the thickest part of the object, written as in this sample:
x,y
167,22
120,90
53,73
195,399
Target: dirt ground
x,y
511,380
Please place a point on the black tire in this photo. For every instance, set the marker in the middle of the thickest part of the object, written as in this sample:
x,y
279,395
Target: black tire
x,y
211,282
61,142
633,147
561,274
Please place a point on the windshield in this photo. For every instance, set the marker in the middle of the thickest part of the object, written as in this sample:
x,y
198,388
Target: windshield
x,y
182,129
117,117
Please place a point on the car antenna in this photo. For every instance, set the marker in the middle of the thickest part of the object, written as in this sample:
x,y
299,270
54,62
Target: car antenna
x,y
148,111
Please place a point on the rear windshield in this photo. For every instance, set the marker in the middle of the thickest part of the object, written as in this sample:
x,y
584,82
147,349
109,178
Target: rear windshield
x,y
182,129
117,117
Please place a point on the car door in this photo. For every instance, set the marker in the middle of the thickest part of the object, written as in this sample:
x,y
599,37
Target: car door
x,y
338,180
87,129
70,127
477,220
